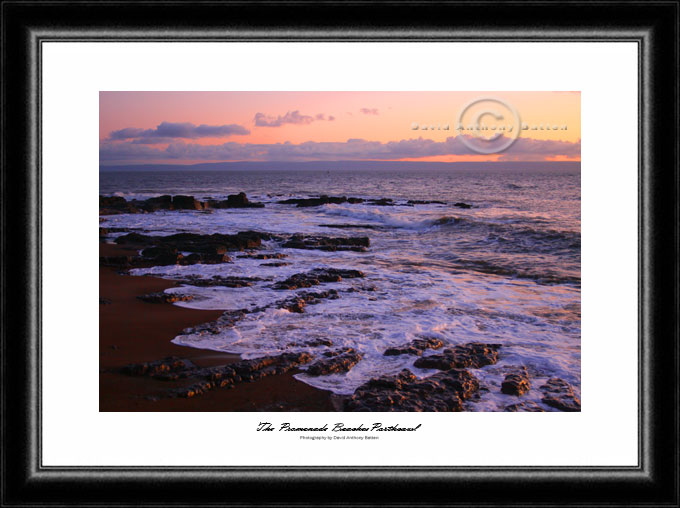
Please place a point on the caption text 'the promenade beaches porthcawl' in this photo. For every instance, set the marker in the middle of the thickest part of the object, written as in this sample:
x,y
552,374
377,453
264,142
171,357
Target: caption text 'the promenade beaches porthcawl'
x,y
337,427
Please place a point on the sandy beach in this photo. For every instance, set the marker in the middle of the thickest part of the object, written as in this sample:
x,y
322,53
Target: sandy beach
x,y
132,331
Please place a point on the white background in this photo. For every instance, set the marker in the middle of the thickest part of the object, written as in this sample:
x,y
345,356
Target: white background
x,y
75,433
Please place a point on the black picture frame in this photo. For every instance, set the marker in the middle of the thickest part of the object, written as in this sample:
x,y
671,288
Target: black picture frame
x,y
653,25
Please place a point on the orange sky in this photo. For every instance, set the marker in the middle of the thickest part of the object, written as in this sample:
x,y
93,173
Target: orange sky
x,y
380,117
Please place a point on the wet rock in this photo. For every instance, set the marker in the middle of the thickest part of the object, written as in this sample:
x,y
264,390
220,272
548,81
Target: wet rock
x,y
192,242
472,355
217,280
444,391
228,319
560,395
316,277
159,368
239,200
162,297
113,205
381,202
321,200
275,264
298,302
270,255
162,255
312,343
204,259
425,202
523,407
326,243
335,362
158,203
186,203
462,205
415,347
516,383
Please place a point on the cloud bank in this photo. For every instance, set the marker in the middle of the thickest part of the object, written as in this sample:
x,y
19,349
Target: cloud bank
x,y
291,117
524,149
168,131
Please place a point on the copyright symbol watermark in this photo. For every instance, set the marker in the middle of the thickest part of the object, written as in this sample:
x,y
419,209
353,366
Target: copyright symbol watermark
x,y
488,125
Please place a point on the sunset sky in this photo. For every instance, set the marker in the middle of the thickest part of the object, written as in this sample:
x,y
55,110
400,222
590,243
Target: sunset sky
x,y
192,127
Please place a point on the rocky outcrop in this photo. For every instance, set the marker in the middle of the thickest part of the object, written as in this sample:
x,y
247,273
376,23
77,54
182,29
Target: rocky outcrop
x,y
444,391
415,347
298,302
239,200
268,255
560,395
425,202
192,242
218,281
516,383
316,277
335,362
321,200
162,297
224,376
326,243
472,355
110,205
462,205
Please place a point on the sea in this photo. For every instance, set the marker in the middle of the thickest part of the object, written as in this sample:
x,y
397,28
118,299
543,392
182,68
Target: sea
x,y
505,271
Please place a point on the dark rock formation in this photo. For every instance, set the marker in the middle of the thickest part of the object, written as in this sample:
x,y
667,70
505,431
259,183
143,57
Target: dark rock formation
x,y
462,205
186,203
416,347
472,355
312,343
560,395
192,242
524,407
444,391
381,202
321,200
335,362
113,205
227,376
275,264
269,255
239,200
159,368
298,302
358,244
516,383
425,202
224,376
217,280
316,277
162,297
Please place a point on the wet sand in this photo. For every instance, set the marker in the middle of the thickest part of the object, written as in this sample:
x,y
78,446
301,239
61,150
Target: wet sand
x,y
133,331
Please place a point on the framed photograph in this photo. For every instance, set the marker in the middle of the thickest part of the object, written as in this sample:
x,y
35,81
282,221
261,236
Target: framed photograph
x,y
295,253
